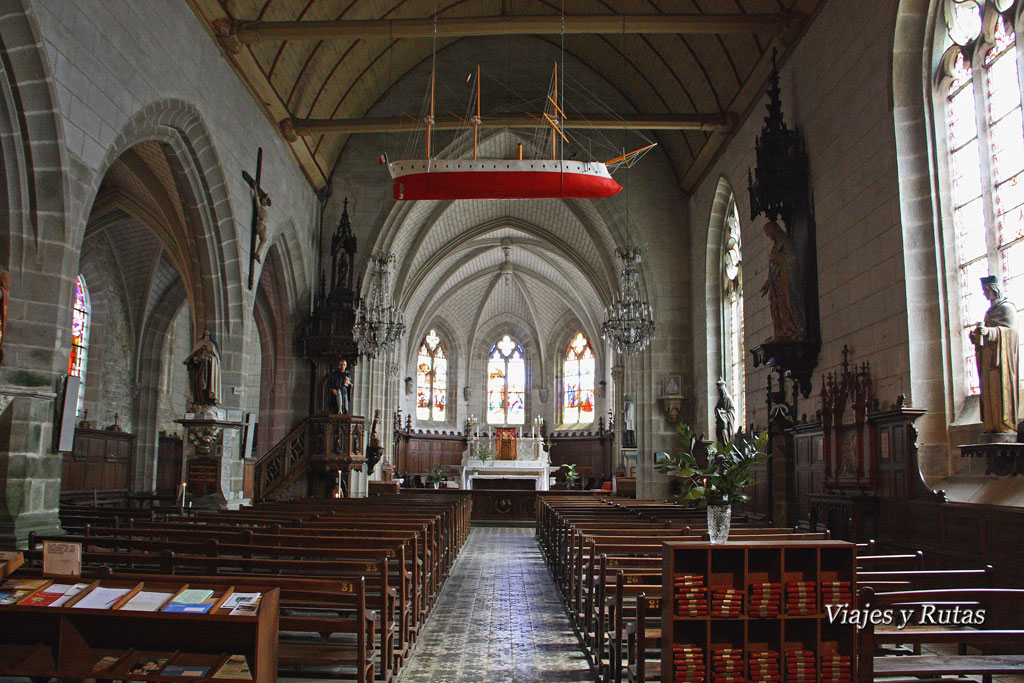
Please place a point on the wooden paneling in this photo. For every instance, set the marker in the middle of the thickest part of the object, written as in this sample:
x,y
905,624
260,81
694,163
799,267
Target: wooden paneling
x,y
419,452
590,452
101,461
168,465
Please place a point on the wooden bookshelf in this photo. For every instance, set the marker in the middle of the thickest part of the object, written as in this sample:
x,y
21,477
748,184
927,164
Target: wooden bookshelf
x,y
67,641
777,627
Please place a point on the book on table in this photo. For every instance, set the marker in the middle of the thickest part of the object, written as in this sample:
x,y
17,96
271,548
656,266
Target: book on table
x,y
191,601
101,598
147,601
236,666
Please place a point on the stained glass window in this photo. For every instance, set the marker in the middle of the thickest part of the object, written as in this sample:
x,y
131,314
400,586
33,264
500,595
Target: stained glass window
x,y
506,383
578,382
985,140
80,315
431,379
732,313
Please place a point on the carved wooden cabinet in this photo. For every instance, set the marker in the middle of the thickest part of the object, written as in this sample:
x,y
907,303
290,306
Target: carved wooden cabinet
x,y
101,461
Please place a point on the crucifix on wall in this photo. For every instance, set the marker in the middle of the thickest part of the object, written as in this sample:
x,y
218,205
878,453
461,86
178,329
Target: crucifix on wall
x,y
260,202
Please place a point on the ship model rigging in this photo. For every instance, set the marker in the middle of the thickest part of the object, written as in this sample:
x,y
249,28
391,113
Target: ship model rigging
x,y
517,178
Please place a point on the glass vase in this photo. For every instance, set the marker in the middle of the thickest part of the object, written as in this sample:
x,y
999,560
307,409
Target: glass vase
x,y
719,519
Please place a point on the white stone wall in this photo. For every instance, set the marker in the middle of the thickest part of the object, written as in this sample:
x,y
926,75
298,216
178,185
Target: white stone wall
x,y
836,90
111,60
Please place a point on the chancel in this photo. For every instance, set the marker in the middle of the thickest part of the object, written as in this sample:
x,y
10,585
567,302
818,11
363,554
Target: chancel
x,y
511,341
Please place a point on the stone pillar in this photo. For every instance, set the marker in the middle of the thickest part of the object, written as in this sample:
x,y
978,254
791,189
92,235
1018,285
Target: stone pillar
x,y
30,470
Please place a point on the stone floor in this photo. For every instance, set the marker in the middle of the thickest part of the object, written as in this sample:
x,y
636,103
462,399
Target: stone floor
x,y
498,619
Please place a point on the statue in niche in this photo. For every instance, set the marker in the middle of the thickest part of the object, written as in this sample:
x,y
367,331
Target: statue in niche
x,y
725,415
996,345
5,296
783,287
629,423
339,383
203,366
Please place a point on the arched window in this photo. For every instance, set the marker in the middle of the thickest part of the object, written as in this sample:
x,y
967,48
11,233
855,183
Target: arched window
x,y
980,91
80,337
506,383
732,311
431,379
578,382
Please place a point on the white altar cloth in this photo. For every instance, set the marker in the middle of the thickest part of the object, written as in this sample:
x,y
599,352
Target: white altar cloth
x,y
540,472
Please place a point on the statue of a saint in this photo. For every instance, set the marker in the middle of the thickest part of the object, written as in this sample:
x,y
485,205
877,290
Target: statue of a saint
x,y
996,345
629,422
339,386
725,415
203,366
5,295
783,287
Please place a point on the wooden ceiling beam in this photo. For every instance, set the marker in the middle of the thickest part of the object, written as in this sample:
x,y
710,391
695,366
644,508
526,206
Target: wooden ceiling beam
x,y
293,128
234,34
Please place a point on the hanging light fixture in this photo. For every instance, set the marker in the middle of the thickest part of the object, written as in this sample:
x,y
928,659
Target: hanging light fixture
x,y
629,324
379,324
506,265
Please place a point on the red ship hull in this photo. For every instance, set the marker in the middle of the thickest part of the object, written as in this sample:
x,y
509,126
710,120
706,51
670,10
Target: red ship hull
x,y
502,180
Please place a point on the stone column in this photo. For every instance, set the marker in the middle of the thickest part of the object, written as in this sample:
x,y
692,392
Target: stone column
x,y
30,471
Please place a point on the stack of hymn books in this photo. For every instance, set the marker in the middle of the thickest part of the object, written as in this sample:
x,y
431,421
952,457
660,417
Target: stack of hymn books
x,y
727,665
764,667
688,664
836,668
836,593
765,600
726,601
801,598
691,596
800,667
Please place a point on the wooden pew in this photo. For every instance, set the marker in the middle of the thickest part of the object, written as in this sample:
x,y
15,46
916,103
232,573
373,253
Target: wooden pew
x,y
873,668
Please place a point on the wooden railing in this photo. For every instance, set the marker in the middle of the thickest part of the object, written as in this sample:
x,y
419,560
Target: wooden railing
x,y
282,464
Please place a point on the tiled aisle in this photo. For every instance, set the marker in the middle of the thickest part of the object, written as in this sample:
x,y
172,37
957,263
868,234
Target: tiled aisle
x,y
498,619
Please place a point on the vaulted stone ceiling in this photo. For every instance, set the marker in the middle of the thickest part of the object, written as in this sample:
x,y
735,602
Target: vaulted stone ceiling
x,y
709,74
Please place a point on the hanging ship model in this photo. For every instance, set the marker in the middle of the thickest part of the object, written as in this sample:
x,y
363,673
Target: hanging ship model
x,y
517,178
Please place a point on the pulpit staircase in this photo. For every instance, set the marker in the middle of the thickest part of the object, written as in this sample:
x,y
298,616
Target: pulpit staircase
x,y
279,467
322,447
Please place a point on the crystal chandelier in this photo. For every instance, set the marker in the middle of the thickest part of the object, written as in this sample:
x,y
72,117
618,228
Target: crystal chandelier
x,y
628,320
379,324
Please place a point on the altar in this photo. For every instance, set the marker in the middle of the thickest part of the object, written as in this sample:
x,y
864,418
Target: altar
x,y
529,461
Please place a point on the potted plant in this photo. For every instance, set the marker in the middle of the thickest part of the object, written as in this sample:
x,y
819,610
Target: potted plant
x,y
720,483
437,475
571,475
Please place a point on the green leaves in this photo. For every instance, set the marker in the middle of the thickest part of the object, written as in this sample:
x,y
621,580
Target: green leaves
x,y
726,474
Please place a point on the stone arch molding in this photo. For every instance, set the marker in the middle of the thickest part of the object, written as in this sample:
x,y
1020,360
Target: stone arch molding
x,y
198,173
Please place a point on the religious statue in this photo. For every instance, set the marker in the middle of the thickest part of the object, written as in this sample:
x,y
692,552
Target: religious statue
x,y
260,224
783,287
629,423
996,346
5,295
203,366
339,382
725,415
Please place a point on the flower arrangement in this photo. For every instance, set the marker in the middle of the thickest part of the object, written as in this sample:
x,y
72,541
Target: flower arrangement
x,y
437,474
571,475
722,480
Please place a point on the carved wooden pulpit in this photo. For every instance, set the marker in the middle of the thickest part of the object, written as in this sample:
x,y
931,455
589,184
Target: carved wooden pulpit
x,y
505,449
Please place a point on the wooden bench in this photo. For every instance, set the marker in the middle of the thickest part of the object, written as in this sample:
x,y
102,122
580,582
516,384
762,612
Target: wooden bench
x,y
873,668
